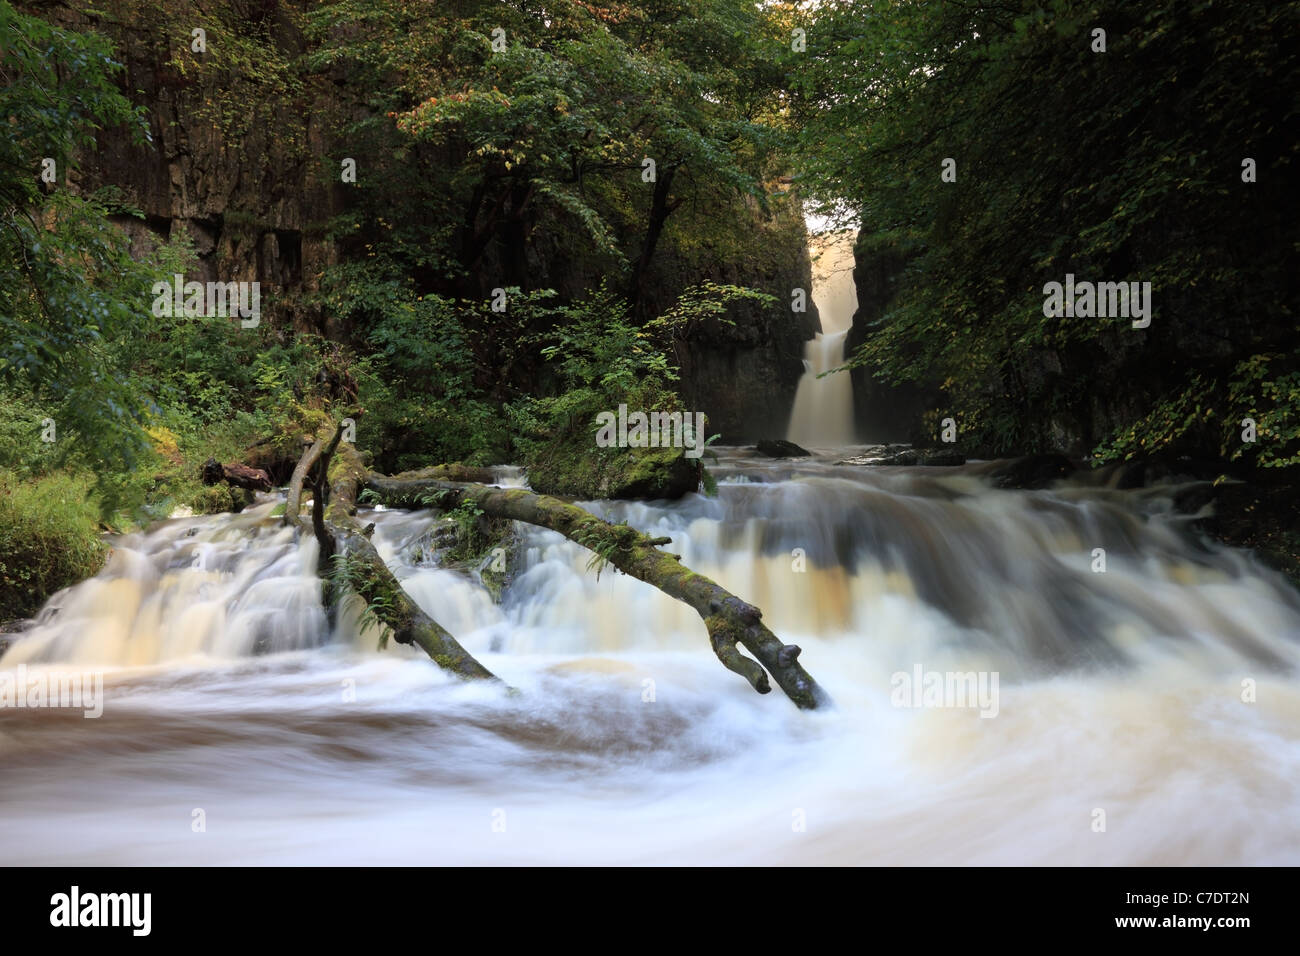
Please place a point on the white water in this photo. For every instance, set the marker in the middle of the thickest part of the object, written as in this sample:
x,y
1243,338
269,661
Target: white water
x,y
823,407
1119,691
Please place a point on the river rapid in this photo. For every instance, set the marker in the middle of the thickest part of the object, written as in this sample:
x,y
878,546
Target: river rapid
x,y
1147,714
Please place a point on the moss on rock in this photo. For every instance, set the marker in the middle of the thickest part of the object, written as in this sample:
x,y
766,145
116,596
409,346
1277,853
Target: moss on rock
x,y
218,499
589,473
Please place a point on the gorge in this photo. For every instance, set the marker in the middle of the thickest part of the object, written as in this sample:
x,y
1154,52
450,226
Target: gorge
x,y
613,434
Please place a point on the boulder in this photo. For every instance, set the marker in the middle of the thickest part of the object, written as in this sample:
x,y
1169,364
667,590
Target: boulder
x,y
780,448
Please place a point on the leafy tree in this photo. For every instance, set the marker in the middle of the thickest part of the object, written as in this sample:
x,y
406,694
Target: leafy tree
x,y
1122,165
549,127
71,294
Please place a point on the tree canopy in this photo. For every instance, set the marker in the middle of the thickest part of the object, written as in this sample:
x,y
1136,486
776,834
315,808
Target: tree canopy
x,y
1107,140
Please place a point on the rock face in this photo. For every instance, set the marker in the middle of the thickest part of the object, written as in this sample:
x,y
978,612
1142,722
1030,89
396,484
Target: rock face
x,y
744,376
884,413
250,184
243,186
1032,471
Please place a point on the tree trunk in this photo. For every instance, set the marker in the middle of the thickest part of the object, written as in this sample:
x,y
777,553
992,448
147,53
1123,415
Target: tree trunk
x,y
660,210
241,476
349,562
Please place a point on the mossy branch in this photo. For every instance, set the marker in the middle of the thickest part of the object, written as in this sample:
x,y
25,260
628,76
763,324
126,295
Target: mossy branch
x,y
731,622
350,563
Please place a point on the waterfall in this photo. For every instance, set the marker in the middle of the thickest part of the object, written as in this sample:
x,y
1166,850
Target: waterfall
x,y
225,686
823,407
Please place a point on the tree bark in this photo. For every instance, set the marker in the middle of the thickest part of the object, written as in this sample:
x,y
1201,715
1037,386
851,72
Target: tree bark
x,y
660,210
293,502
349,562
241,476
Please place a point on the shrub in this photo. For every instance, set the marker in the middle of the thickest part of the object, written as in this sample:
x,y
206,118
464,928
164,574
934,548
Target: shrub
x,y
48,539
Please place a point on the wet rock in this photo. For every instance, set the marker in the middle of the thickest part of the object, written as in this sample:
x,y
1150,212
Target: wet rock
x,y
219,499
780,448
11,631
909,457
576,470
1031,471
873,455
1262,514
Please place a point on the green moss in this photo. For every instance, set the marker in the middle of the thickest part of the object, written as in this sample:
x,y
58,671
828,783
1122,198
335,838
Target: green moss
x,y
577,469
218,499
668,567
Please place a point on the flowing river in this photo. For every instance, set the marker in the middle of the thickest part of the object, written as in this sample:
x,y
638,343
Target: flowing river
x,y
239,727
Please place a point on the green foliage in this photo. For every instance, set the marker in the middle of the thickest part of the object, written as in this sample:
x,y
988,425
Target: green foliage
x,y
48,539
70,293
22,451
473,531
553,128
602,359
604,543
245,82
349,574
1166,424
1123,165
1263,388
417,383
79,344
1266,389
708,483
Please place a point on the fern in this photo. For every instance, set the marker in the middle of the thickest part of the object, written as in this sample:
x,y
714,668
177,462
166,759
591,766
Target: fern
x,y
346,575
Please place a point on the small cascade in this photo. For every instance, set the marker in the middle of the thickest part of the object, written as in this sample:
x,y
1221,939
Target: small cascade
x,y
823,407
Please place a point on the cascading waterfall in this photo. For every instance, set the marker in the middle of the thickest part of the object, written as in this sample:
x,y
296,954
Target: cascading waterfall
x,y
823,407
227,689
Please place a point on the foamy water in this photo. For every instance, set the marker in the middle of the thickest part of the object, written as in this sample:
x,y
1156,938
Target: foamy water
x,y
822,416
625,741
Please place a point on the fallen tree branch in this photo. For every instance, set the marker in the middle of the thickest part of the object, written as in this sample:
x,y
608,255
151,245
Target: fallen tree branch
x,y
234,473
293,502
355,565
320,495
729,620
349,562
